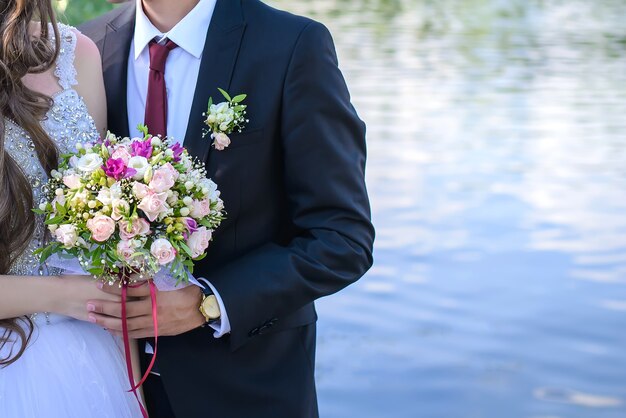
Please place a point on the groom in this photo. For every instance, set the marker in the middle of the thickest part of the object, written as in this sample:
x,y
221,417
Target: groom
x,y
298,225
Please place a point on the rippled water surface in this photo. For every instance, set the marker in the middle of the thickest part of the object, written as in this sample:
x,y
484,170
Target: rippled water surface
x,y
497,173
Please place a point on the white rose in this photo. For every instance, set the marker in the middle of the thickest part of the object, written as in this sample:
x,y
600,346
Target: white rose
x,y
66,235
218,108
89,163
229,116
211,187
104,196
140,164
107,196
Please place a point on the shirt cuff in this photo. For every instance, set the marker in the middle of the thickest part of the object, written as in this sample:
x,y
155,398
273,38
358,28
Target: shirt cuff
x,y
222,325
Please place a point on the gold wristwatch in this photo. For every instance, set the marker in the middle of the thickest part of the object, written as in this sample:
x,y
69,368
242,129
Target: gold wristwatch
x,y
209,308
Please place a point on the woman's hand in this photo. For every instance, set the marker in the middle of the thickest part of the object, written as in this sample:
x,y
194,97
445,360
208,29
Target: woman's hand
x,y
75,291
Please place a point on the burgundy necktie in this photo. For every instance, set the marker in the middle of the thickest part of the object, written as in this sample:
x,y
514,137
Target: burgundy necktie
x,y
156,99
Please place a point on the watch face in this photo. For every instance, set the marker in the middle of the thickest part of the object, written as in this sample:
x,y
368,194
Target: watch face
x,y
211,307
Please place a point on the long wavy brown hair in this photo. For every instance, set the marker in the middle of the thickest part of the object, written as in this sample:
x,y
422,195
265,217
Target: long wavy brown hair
x,y
22,52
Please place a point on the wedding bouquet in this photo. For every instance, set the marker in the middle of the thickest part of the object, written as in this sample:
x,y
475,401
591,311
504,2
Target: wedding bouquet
x,y
123,206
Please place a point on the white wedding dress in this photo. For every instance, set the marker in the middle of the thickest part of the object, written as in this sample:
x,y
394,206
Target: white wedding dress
x,y
71,369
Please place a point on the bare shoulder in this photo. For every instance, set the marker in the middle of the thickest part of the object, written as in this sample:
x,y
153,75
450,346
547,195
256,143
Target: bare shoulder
x,y
86,49
89,77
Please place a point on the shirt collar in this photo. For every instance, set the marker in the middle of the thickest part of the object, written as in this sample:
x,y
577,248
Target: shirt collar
x,y
184,34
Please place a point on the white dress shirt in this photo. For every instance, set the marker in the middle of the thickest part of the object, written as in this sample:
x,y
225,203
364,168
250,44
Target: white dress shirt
x,y
181,75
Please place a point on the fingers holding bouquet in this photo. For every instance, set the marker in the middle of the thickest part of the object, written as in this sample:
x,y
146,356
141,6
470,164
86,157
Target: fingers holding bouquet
x,y
176,311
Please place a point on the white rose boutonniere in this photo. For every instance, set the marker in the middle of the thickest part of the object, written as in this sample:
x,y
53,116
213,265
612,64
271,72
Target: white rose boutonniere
x,y
225,118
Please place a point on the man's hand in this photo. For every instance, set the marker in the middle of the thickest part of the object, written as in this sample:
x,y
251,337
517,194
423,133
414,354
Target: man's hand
x,y
177,311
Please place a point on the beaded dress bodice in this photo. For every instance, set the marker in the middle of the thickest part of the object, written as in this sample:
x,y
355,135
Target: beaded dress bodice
x,y
67,123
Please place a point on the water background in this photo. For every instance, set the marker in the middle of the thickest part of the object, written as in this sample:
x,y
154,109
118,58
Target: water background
x,y
497,175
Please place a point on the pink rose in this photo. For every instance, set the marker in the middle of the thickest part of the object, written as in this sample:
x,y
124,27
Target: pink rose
x,y
153,204
140,190
101,227
121,153
125,251
169,167
199,241
220,141
200,208
72,181
66,235
138,226
163,251
163,179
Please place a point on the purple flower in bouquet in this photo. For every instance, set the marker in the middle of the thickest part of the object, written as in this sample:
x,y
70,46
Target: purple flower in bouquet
x,y
115,167
178,150
141,148
192,225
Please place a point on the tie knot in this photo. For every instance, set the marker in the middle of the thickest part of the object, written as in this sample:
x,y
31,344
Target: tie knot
x,y
159,53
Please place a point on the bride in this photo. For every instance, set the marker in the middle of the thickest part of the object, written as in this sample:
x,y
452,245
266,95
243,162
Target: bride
x,y
52,362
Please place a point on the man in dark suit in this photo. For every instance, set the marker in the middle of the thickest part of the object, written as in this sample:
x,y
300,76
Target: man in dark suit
x,y
298,225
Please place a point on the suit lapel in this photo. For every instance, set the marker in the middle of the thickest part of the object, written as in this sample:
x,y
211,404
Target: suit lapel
x,y
221,48
115,51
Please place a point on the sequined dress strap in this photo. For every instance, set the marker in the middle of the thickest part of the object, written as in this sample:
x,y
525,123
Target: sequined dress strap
x,y
65,70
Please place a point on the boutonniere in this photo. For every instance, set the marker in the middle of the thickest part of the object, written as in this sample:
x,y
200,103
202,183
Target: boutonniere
x,y
225,118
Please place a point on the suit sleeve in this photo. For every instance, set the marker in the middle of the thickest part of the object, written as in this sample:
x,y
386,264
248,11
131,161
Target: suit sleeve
x,y
324,162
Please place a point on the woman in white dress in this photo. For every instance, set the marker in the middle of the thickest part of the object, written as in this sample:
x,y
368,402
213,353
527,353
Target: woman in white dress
x,y
53,364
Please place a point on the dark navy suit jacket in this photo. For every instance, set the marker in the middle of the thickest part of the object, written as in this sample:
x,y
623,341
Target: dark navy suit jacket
x,y
298,225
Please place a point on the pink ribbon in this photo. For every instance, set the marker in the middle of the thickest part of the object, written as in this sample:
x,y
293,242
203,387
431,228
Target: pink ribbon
x,y
155,322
